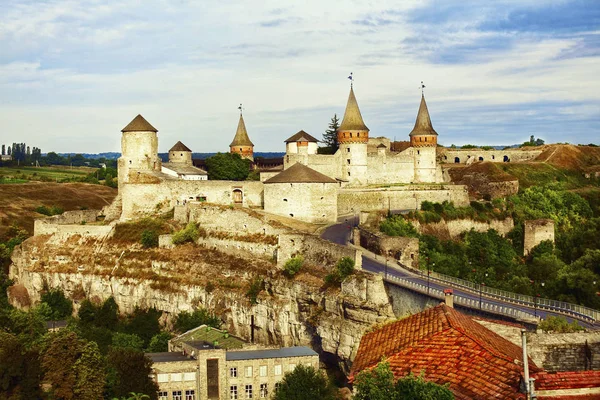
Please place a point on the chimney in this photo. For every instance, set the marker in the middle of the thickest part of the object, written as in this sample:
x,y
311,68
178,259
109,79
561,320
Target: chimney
x,y
525,365
449,297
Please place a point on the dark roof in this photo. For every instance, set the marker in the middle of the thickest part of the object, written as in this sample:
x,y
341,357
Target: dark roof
x,y
241,135
399,146
56,324
423,123
180,147
167,357
299,173
184,169
448,347
382,146
298,351
301,137
353,120
139,124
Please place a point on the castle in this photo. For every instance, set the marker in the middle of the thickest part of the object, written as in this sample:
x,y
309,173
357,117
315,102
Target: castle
x,y
311,187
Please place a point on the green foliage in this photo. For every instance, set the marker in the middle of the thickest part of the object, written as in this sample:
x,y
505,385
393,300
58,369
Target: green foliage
x,y
378,384
90,375
293,266
20,372
54,210
159,342
61,306
397,225
62,351
227,166
14,237
129,371
468,146
343,269
305,383
559,325
186,321
144,323
330,136
132,231
149,238
126,340
254,290
189,234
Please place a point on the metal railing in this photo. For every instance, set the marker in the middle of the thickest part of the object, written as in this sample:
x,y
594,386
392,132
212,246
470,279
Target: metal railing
x,y
460,300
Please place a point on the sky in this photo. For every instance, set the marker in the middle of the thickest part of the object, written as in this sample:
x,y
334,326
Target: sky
x,y
73,73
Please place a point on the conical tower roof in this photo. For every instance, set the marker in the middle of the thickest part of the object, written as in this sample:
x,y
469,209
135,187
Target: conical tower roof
x,y
241,135
353,120
423,124
180,147
139,124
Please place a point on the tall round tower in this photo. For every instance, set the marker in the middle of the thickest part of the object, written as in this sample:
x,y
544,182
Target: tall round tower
x,y
139,148
353,136
424,140
241,143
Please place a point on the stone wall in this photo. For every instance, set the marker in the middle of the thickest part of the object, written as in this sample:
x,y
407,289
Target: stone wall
x,y
314,250
407,197
229,246
309,202
143,199
453,229
535,232
402,249
71,223
235,220
467,156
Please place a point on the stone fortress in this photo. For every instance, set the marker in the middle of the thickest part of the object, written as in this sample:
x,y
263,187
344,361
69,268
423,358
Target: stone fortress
x,y
365,174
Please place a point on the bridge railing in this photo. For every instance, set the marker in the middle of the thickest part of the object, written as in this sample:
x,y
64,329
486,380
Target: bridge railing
x,y
574,310
460,300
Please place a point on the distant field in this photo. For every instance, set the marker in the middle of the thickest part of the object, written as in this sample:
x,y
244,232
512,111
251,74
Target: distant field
x,y
44,174
19,201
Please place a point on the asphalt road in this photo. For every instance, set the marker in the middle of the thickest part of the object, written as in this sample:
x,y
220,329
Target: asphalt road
x,y
341,233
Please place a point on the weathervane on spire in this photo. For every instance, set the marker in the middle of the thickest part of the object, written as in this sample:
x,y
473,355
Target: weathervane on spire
x,y
240,108
351,79
422,87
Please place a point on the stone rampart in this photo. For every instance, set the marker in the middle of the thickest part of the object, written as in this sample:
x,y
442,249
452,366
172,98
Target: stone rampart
x,y
236,220
566,351
314,250
407,197
535,232
402,249
71,223
454,228
467,156
229,246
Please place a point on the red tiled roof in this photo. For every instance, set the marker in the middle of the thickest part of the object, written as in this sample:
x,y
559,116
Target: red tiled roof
x,y
567,380
570,397
448,347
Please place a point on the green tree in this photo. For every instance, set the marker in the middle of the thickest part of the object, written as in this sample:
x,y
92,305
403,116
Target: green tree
x,y
227,166
20,372
126,340
159,342
186,321
397,225
90,374
293,265
108,314
149,238
129,371
305,383
330,135
143,323
61,306
58,359
343,268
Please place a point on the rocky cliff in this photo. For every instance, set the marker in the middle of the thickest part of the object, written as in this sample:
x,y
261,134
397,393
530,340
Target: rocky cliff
x,y
299,311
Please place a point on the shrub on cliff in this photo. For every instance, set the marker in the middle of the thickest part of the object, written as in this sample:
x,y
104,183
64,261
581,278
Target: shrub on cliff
x,y
149,238
186,321
396,225
61,306
343,269
190,234
293,266
559,325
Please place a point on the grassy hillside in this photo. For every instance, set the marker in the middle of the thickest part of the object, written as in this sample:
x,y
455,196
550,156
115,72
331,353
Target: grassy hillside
x,y
45,174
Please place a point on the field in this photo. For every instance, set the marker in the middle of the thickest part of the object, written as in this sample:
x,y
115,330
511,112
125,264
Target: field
x,y
44,174
19,201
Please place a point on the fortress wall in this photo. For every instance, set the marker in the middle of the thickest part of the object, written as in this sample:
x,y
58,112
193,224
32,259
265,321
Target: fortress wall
x,y
399,198
403,249
229,246
448,155
71,223
390,168
237,221
327,164
535,232
314,250
452,229
310,202
139,199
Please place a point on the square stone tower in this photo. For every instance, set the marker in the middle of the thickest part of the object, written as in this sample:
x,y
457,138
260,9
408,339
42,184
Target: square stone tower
x,y
535,232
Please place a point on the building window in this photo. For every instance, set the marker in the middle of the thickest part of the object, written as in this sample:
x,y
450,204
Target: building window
x,y
189,376
263,391
348,173
233,372
248,391
233,392
263,370
190,395
277,386
418,152
163,395
277,369
348,160
177,395
176,377
248,372
160,378
348,149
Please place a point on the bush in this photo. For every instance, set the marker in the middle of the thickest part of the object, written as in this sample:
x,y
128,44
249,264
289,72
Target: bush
x,y
186,321
54,210
190,233
305,383
149,238
559,325
396,225
255,288
61,306
293,266
343,269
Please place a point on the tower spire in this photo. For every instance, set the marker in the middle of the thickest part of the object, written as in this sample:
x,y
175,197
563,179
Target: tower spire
x,y
353,120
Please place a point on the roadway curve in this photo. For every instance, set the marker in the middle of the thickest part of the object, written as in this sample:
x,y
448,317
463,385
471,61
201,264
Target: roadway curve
x,y
341,233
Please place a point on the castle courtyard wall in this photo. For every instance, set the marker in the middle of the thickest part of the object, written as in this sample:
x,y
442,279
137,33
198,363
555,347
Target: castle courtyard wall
x,y
309,202
448,156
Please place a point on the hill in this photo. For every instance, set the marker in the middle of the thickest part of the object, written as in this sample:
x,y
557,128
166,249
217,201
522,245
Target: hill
x,y
18,201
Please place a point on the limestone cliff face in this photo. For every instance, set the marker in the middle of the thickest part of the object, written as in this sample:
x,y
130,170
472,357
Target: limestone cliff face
x,y
288,312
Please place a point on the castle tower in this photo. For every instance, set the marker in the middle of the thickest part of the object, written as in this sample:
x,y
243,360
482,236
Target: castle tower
x,y
424,140
353,136
180,153
139,149
241,142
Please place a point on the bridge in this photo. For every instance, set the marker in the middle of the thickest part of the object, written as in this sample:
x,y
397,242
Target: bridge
x,y
469,295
